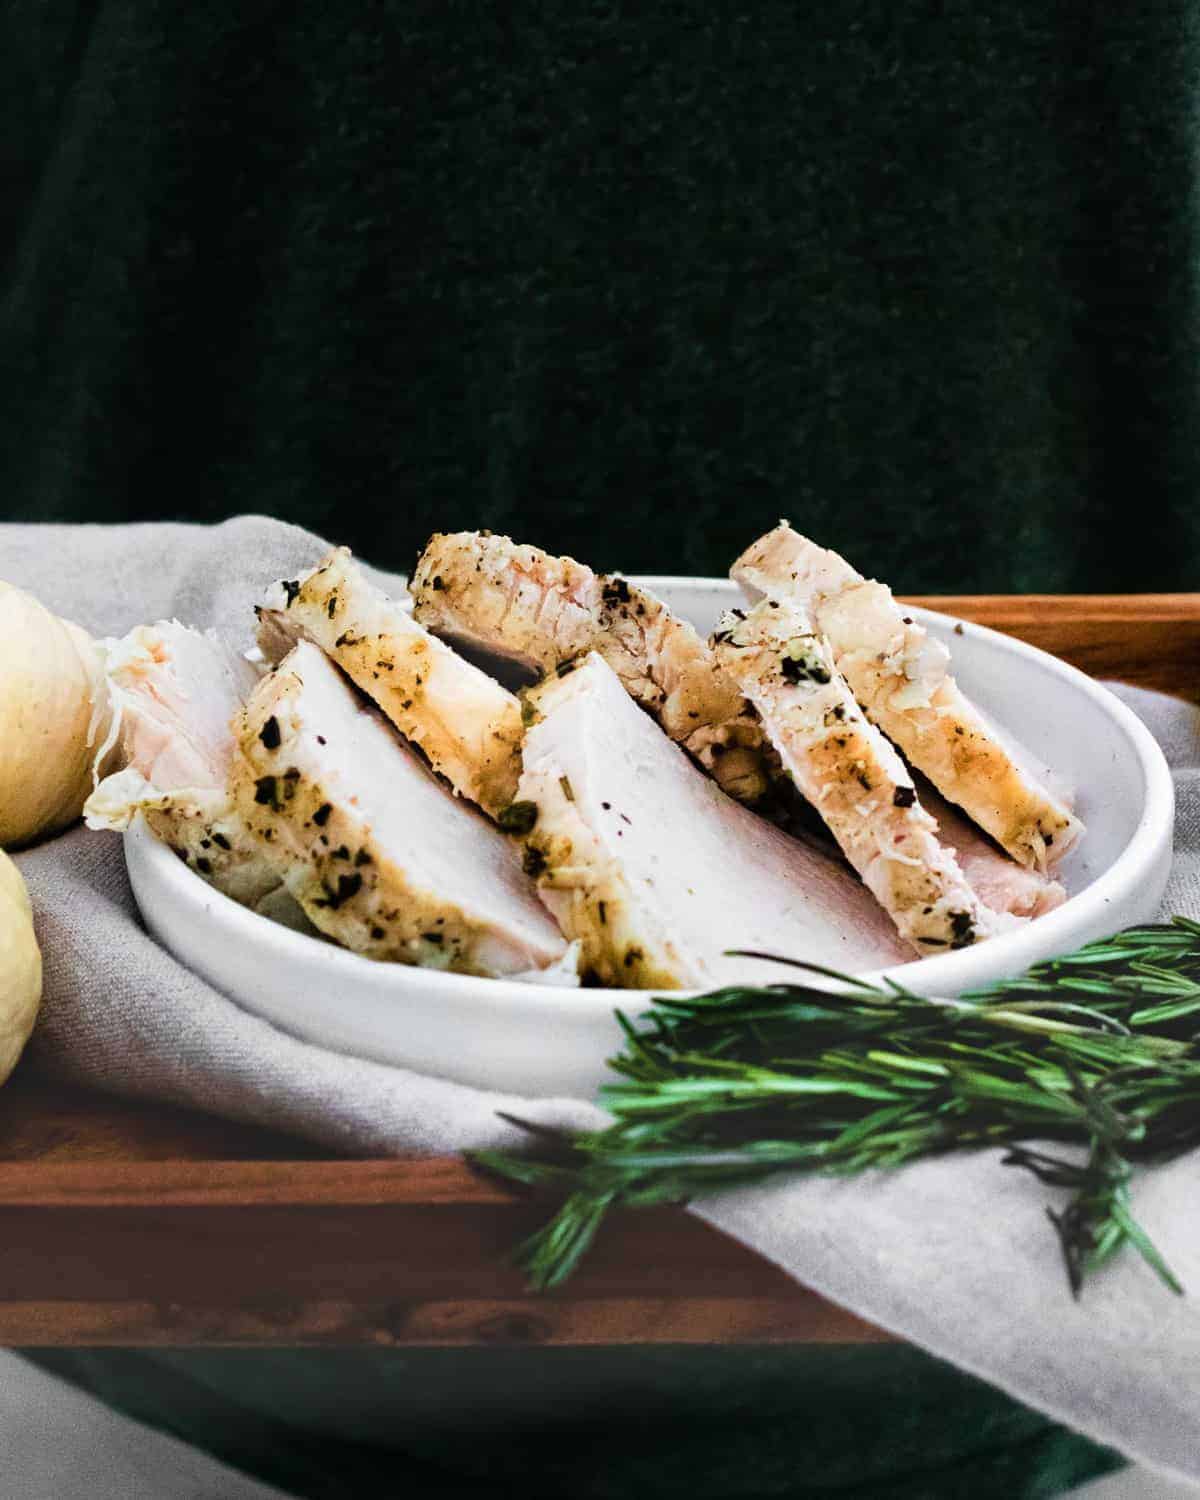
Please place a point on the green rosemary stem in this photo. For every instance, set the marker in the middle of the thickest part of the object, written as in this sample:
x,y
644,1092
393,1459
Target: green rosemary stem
x,y
1096,1050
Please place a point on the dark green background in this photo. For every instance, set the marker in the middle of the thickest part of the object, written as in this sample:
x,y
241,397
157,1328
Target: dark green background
x,y
876,1422
629,280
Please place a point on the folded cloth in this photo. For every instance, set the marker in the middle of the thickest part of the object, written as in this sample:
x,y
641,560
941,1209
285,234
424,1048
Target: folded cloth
x,y
955,1254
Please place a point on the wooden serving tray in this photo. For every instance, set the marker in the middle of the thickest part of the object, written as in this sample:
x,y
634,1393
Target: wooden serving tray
x,y
133,1224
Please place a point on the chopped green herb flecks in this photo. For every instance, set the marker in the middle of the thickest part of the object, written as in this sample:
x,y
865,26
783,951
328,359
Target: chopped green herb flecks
x,y
518,817
266,792
801,662
533,861
347,887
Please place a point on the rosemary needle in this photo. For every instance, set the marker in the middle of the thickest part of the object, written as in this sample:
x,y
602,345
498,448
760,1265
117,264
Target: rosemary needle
x,y
1098,1050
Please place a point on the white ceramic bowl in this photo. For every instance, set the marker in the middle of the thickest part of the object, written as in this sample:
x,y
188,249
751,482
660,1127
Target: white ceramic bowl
x,y
536,1040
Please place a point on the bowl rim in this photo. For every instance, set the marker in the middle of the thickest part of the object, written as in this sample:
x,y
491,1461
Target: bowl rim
x,y
943,975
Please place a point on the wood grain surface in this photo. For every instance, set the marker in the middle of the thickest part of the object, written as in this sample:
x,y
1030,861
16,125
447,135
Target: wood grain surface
x,y
387,1253
130,1223
1151,640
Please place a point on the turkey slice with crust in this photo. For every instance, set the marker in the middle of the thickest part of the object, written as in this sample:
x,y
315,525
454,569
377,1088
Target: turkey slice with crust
x,y
174,693
462,720
995,877
853,777
657,872
379,854
902,678
539,612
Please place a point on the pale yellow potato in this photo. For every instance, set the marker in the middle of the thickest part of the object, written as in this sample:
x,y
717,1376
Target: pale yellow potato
x,y
20,967
53,713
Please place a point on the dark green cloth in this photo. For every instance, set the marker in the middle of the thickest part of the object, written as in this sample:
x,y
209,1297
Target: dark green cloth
x,y
630,281
626,279
873,1423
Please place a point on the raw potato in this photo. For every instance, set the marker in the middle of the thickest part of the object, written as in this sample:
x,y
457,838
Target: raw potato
x,y
20,967
53,711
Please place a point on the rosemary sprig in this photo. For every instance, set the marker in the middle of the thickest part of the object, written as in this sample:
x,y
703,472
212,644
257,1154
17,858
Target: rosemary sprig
x,y
1098,1051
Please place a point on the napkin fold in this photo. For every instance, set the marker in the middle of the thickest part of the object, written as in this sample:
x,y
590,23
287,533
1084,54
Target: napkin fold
x,y
954,1254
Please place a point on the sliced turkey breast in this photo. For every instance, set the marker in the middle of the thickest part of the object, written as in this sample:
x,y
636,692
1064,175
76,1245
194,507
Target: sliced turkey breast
x,y
993,875
539,612
379,854
902,678
850,773
462,720
645,861
174,693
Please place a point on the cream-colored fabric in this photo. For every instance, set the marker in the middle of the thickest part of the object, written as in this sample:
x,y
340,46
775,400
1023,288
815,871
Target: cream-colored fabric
x,y
955,1255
